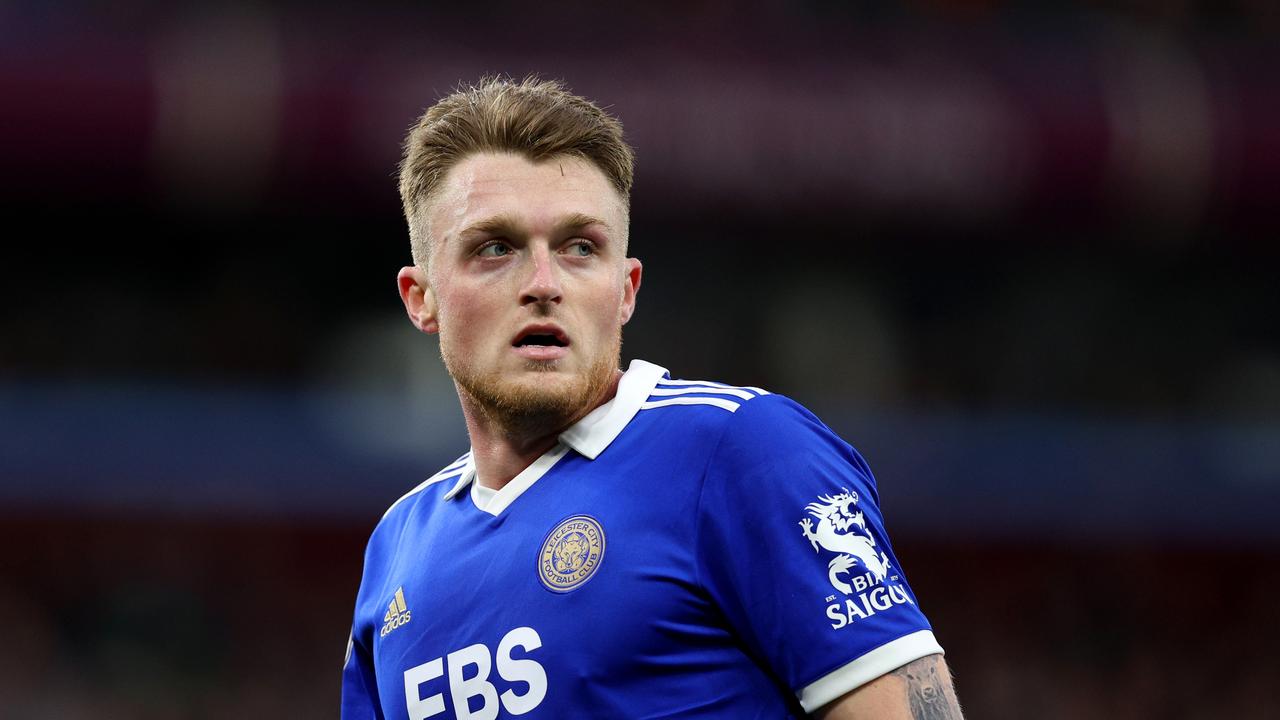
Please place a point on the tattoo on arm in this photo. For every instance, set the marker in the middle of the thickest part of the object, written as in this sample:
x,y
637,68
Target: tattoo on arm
x,y
930,694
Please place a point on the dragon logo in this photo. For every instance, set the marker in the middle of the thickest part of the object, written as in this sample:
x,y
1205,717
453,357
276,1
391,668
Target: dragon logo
x,y
843,531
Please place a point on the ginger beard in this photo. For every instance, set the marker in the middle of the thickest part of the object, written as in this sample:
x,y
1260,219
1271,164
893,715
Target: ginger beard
x,y
537,402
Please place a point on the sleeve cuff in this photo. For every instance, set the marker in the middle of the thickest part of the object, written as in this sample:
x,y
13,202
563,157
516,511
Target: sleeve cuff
x,y
887,657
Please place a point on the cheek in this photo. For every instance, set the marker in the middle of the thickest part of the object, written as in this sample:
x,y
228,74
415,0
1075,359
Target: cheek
x,y
623,290
606,306
463,316
620,302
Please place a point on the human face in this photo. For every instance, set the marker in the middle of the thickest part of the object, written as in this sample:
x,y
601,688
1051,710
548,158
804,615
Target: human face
x,y
528,286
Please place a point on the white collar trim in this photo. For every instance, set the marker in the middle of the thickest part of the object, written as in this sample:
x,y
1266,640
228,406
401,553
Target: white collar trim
x,y
593,433
589,436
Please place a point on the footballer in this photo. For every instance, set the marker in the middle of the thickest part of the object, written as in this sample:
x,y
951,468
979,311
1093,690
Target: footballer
x,y
614,544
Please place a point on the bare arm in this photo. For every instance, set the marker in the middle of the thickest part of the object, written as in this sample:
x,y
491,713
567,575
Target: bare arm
x,y
920,690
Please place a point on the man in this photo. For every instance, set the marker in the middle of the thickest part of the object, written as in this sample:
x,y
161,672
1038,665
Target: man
x,y
614,545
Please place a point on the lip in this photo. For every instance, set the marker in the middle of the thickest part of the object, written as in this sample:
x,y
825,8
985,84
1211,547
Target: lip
x,y
540,352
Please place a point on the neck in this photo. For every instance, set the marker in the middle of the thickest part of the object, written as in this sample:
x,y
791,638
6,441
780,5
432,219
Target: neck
x,y
500,451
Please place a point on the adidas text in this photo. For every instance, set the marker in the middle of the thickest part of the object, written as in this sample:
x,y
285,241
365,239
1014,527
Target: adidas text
x,y
397,613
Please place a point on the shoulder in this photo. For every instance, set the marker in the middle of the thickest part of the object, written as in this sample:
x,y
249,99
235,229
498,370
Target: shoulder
x,y
675,393
740,421
739,411
444,478
731,399
690,413
388,534
700,403
775,439
690,417
746,417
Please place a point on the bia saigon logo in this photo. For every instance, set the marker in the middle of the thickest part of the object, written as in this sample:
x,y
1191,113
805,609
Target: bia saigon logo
x,y
842,529
571,553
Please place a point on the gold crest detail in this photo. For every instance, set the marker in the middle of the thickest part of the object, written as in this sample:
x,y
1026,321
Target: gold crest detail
x,y
571,554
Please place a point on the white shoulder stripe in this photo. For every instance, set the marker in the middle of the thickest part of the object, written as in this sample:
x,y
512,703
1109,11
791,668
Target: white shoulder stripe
x,y
426,483
694,389
710,383
729,405
456,464
452,472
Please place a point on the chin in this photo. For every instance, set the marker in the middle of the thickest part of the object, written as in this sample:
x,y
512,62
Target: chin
x,y
540,395
549,387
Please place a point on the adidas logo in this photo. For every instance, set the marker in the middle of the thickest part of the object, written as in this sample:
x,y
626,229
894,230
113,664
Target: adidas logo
x,y
397,613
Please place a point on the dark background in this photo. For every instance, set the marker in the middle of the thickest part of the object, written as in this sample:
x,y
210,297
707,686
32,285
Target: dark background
x,y
1022,255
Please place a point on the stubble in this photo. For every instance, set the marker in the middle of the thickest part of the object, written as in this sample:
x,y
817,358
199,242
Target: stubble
x,y
527,404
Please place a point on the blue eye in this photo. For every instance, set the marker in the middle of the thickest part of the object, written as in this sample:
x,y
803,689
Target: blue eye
x,y
583,248
496,249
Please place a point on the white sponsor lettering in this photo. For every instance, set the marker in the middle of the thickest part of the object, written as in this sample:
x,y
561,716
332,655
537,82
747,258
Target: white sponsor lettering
x,y
420,707
464,686
881,597
521,670
862,582
838,620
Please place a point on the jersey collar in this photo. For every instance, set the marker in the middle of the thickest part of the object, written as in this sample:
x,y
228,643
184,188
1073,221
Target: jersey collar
x,y
592,434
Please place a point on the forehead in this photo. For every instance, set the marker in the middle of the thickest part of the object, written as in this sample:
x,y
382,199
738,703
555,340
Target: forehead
x,y
487,185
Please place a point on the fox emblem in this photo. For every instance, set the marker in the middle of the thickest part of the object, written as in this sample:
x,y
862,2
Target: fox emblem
x,y
843,531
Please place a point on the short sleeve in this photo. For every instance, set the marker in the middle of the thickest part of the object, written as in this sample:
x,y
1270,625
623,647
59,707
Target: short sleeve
x,y
359,687
792,547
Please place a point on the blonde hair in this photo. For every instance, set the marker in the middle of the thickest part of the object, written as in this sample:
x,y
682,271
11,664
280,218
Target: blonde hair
x,y
536,118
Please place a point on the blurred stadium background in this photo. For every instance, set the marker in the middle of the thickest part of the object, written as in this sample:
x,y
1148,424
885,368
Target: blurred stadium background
x,y
1022,255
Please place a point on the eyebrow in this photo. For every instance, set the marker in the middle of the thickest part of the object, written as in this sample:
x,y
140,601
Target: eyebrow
x,y
506,223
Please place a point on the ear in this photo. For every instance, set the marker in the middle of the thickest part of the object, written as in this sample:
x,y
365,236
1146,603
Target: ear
x,y
631,287
419,301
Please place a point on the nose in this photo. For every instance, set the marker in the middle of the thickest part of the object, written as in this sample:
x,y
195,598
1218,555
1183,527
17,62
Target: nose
x,y
543,284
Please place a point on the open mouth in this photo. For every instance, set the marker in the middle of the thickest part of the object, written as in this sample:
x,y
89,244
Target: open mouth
x,y
541,337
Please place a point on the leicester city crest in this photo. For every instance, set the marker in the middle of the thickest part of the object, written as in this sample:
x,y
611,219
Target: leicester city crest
x,y
571,553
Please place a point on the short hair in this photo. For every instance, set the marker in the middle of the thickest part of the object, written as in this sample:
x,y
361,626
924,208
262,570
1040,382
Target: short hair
x,y
539,119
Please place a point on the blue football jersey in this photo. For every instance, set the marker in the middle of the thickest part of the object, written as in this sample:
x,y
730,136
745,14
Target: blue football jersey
x,y
687,549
